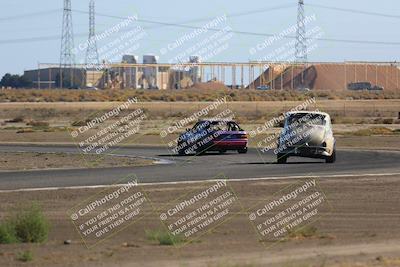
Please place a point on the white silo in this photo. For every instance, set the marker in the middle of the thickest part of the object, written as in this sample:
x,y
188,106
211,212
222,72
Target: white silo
x,y
195,69
151,73
130,72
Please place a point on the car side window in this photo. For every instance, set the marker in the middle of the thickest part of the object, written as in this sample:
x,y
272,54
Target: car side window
x,y
233,127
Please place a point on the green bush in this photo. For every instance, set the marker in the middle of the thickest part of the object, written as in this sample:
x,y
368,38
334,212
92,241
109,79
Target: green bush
x,y
25,256
164,238
7,233
27,225
303,232
31,225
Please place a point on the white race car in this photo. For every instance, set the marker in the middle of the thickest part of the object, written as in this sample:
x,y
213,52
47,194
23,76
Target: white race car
x,y
306,134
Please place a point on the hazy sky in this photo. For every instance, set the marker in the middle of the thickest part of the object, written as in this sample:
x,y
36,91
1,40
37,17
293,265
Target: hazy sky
x,y
18,52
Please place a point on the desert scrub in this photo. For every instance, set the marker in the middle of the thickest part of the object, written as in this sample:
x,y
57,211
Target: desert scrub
x,y
25,256
193,94
16,120
27,225
164,238
7,233
25,130
38,123
302,232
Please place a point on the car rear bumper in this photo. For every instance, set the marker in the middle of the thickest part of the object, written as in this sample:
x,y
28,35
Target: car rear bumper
x,y
306,151
229,145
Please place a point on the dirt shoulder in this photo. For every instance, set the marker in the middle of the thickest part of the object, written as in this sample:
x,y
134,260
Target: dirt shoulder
x,y
359,227
369,142
38,161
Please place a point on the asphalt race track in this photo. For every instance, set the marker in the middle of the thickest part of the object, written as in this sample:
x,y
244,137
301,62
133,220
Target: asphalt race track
x,y
194,168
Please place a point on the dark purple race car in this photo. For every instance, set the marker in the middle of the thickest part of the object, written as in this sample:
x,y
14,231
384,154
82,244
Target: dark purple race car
x,y
212,135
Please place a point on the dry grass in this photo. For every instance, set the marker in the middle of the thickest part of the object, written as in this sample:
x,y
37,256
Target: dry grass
x,y
372,131
181,95
37,161
341,111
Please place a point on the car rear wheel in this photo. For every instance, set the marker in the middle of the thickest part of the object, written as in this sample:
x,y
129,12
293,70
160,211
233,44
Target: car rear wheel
x,y
281,158
243,150
332,158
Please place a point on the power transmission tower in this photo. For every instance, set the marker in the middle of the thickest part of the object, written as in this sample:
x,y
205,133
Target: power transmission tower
x,y
301,38
92,55
67,57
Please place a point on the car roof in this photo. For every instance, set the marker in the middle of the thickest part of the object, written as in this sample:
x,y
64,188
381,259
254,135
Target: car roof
x,y
215,120
308,112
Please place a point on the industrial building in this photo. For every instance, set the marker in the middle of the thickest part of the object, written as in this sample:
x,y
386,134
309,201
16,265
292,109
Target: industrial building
x,y
53,76
129,74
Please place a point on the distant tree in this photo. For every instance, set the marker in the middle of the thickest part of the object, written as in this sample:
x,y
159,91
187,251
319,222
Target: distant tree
x,y
15,81
7,80
24,82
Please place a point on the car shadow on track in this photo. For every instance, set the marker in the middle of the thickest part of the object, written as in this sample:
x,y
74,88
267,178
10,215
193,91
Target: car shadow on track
x,y
276,163
197,155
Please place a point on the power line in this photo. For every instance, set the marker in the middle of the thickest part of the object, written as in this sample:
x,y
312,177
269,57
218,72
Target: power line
x,y
180,25
247,32
55,37
29,15
332,40
233,15
245,13
355,11
238,14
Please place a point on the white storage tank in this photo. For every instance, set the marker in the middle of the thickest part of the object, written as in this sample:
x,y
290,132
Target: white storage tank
x,y
195,70
151,73
130,73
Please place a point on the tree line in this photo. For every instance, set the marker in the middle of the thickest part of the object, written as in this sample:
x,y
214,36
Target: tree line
x,y
15,81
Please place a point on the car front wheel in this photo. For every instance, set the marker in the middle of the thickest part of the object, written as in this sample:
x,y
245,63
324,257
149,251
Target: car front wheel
x,y
332,158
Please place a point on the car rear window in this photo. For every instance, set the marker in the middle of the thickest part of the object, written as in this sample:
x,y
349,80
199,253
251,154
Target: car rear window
x,y
306,118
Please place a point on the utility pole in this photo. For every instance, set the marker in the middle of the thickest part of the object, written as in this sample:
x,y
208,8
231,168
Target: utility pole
x,y
92,55
67,58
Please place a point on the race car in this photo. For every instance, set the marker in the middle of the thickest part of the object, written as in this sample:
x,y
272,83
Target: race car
x,y
306,134
212,135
